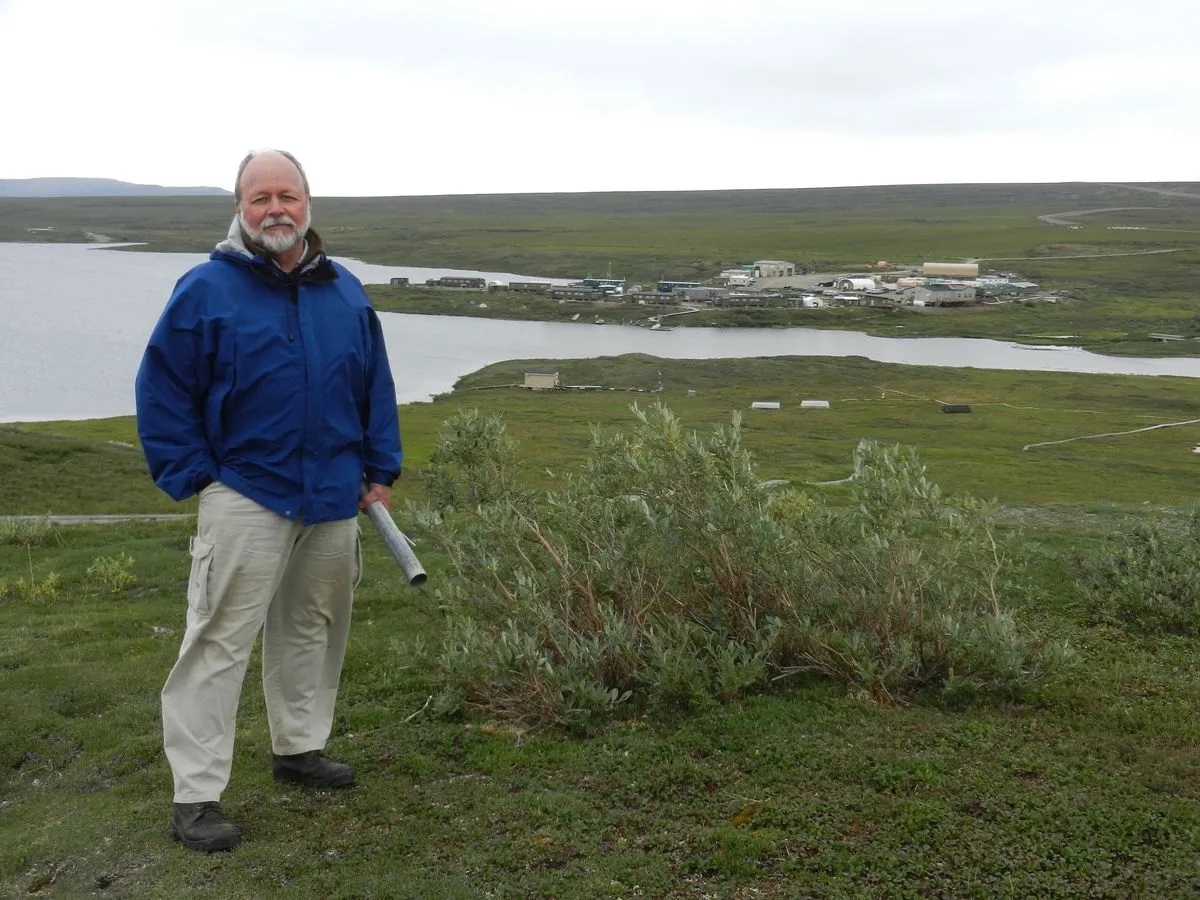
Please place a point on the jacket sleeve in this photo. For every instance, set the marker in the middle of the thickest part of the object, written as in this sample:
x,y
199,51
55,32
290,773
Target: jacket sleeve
x,y
382,453
170,390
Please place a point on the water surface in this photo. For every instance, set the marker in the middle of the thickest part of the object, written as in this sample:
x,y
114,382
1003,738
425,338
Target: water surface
x,y
74,320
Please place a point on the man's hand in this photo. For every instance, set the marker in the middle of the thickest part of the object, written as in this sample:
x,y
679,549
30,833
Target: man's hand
x,y
380,492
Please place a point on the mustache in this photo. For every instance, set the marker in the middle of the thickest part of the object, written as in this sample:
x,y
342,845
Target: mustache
x,y
277,220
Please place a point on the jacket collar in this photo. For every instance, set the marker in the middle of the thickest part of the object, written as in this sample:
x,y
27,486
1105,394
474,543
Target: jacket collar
x,y
314,265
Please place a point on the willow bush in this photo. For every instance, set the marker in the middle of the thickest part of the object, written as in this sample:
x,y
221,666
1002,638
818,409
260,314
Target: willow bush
x,y
1146,578
667,574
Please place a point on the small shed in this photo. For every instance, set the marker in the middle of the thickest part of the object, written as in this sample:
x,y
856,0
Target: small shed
x,y
814,404
765,404
541,380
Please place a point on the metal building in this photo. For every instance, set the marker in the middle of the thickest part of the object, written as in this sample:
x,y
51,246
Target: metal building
x,y
941,294
774,268
541,380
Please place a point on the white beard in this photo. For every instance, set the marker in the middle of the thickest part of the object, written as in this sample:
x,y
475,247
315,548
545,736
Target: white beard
x,y
276,244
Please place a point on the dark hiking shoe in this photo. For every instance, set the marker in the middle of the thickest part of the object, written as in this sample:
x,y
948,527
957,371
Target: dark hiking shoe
x,y
202,826
312,769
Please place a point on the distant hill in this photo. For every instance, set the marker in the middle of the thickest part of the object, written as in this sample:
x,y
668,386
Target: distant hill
x,y
97,187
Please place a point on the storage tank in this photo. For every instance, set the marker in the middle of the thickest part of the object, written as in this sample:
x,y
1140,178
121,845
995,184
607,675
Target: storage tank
x,y
951,270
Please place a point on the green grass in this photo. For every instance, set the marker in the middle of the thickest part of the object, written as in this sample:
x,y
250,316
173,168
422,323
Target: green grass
x,y
807,792
1088,789
980,452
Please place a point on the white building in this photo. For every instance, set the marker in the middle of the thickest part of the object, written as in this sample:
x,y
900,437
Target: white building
x,y
774,268
944,294
739,277
541,380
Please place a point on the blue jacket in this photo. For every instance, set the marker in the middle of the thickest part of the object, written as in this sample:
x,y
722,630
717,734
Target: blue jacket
x,y
275,384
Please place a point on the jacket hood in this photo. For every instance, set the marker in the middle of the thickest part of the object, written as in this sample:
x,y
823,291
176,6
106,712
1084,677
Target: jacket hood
x,y
239,245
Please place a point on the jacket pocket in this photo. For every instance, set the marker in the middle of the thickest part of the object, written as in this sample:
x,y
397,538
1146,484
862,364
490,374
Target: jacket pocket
x,y
197,594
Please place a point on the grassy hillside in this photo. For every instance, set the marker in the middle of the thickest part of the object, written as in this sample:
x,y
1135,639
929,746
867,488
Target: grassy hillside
x,y
980,452
1088,788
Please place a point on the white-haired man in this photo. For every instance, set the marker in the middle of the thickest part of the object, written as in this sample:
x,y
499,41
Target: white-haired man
x,y
265,388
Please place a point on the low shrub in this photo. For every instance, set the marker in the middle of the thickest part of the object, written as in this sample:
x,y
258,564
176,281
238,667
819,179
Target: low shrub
x,y
45,588
20,531
668,574
112,574
1146,578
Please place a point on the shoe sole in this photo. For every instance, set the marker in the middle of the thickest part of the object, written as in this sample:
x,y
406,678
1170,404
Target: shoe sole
x,y
215,845
335,784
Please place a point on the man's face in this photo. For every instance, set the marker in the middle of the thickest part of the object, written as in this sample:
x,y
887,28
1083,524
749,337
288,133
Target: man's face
x,y
274,209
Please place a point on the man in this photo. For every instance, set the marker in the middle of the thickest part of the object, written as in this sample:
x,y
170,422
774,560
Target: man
x,y
265,388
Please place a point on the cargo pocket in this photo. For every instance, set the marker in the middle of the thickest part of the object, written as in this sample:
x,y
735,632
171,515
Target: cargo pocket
x,y
197,595
358,564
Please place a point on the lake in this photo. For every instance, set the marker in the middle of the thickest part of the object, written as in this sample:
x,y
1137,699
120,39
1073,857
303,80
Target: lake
x,y
74,320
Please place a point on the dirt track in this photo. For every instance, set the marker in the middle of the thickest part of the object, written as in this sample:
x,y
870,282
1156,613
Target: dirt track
x,y
98,519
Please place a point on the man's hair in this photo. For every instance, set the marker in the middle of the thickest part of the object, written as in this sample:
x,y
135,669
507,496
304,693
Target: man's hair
x,y
266,151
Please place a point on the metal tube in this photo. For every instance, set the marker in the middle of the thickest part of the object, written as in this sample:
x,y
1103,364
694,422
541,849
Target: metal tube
x,y
397,543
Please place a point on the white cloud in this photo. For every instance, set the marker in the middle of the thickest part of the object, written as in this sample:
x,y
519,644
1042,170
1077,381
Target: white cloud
x,y
384,97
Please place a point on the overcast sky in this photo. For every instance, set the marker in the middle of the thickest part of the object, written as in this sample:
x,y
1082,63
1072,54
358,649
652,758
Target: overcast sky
x,y
399,97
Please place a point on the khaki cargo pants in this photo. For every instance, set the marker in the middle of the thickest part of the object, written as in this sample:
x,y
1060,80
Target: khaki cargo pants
x,y
253,570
